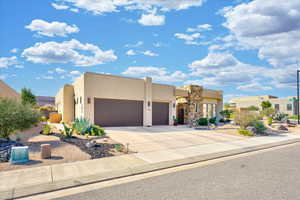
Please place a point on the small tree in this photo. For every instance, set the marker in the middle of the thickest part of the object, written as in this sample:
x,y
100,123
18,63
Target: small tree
x,y
266,104
253,108
226,113
27,97
15,116
268,112
245,117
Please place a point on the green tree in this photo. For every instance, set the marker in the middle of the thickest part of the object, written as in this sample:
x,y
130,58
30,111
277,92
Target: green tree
x,y
268,112
266,104
245,117
253,108
15,116
226,113
27,97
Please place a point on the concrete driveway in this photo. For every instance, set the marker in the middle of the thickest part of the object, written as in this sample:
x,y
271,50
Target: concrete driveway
x,y
159,138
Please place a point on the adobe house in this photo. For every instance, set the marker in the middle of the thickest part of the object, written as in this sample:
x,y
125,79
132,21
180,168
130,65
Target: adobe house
x,y
8,92
108,100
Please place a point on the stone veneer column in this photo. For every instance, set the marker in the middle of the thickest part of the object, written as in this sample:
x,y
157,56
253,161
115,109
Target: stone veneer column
x,y
148,102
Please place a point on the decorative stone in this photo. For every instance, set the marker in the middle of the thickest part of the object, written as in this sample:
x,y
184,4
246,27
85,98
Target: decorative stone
x,y
91,144
45,151
19,155
282,128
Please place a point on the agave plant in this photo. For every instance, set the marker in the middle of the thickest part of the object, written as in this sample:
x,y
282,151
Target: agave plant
x,y
68,131
82,125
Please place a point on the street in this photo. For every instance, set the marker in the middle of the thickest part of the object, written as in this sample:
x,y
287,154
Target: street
x,y
268,175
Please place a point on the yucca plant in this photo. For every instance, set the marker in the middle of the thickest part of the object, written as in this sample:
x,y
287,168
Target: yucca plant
x,y
82,125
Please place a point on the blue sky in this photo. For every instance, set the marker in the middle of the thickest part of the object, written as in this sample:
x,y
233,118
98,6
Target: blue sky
x,y
241,47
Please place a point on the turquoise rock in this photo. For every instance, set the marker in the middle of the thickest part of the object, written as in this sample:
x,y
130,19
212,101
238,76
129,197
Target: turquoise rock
x,y
19,155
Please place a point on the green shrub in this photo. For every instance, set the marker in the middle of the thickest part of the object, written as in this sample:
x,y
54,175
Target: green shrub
x,y
222,120
202,122
226,113
270,121
68,131
213,120
46,129
245,117
96,131
82,126
118,147
27,97
245,132
280,116
15,116
259,126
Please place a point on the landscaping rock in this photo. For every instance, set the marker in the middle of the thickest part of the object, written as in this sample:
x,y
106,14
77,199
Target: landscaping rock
x,y
91,144
5,149
282,128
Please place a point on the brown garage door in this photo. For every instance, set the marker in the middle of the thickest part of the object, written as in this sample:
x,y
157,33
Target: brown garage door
x,y
160,113
111,112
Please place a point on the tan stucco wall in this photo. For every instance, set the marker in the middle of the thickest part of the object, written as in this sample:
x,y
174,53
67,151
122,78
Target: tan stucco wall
x,y
79,97
8,92
64,101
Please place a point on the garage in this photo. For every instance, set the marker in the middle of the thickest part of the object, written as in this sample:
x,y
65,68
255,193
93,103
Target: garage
x,y
160,113
112,112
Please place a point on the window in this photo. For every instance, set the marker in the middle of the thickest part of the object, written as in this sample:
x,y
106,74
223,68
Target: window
x,y
289,107
277,107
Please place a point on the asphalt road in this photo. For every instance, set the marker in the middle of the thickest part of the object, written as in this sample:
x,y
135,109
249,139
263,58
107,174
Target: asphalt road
x,y
273,175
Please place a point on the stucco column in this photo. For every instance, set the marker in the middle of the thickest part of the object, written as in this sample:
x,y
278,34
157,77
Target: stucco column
x,y
148,102
172,111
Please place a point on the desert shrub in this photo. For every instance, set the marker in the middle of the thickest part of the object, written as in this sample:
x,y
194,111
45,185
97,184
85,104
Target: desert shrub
x,y
213,120
68,131
82,125
202,122
96,131
266,104
245,132
15,116
253,108
118,147
55,117
226,113
46,129
260,127
43,119
280,116
268,112
245,117
270,121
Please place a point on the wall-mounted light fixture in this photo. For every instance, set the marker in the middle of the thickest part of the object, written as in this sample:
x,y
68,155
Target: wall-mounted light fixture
x,y
149,103
88,100
174,105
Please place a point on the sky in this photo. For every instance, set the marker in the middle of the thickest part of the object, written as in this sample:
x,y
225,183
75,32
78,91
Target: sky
x,y
242,47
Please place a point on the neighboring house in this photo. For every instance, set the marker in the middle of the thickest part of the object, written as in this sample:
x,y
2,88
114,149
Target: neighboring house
x,y
108,100
45,101
286,105
8,92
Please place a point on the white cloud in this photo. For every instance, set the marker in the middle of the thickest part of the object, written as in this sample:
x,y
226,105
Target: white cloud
x,y
47,77
130,52
75,73
67,52
2,76
52,29
60,70
152,20
19,66
99,7
223,69
59,6
8,61
139,43
199,28
190,39
157,73
272,27
14,50
150,53
253,87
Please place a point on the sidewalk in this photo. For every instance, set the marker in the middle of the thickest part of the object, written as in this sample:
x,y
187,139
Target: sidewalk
x,y
29,181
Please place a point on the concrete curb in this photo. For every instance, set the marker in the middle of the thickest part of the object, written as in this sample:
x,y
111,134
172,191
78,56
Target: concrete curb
x,y
78,181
